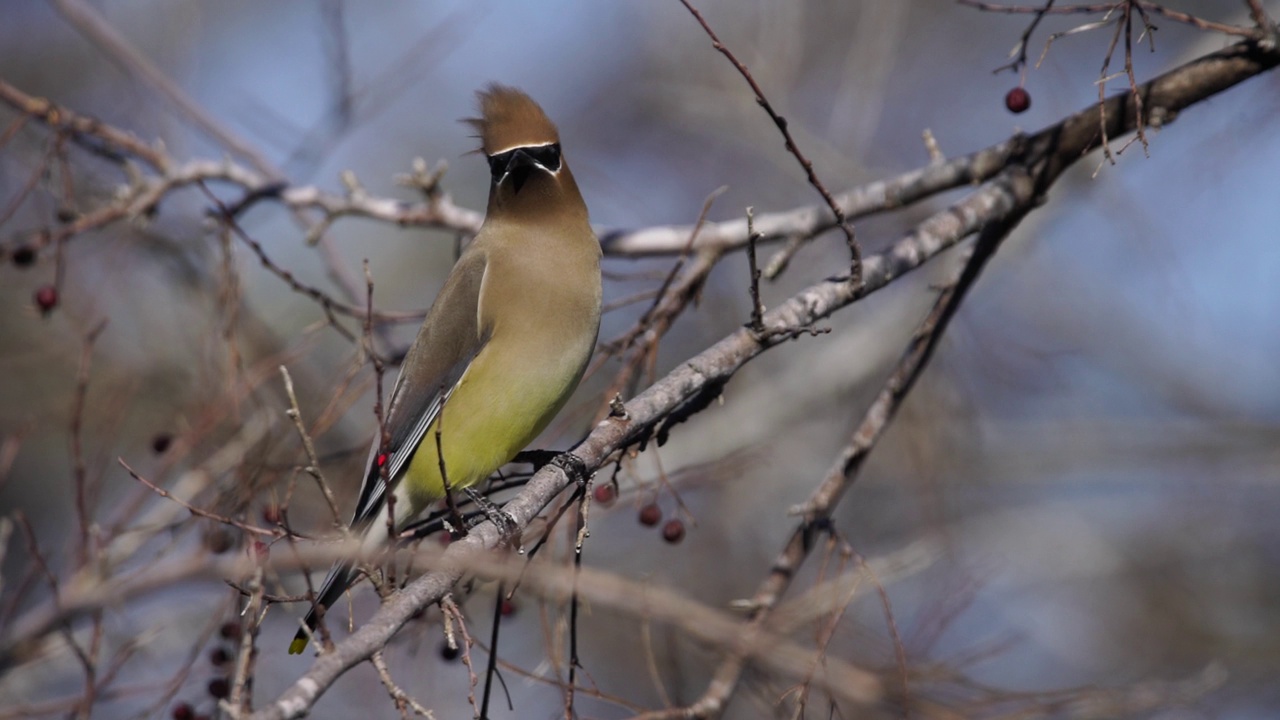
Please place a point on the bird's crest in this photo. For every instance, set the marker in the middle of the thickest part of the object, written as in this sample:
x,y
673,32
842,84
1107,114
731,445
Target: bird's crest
x,y
510,119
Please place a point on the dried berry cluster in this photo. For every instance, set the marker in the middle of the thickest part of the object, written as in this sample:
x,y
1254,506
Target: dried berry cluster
x,y
219,687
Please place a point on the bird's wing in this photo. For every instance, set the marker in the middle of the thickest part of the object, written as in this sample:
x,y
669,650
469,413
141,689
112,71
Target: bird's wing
x,y
449,340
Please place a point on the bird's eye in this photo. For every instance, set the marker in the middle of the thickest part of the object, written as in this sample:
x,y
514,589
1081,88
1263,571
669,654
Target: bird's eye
x,y
498,164
548,157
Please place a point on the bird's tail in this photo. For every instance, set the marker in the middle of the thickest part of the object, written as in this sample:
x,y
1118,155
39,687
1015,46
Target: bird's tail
x,y
335,584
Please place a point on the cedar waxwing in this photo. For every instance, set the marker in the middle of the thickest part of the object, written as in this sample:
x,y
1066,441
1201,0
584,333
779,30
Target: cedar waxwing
x,y
505,342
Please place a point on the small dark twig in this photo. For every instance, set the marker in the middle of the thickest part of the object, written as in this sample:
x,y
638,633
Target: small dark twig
x,y
199,512
1102,94
1254,33
491,667
855,265
33,179
328,304
1019,53
670,300
574,603
1129,72
270,190
80,477
403,701
313,466
241,700
450,610
551,523
757,307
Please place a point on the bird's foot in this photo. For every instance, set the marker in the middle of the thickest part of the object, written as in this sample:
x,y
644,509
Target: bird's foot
x,y
508,528
573,466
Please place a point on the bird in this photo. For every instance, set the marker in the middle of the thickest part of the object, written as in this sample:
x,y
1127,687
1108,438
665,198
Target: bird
x,y
504,345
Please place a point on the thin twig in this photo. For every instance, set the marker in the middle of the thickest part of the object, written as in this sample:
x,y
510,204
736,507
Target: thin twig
x,y
1255,33
88,21
491,666
79,474
575,663
327,303
401,698
240,702
757,307
899,649
264,532
453,613
33,179
826,632
670,300
313,460
1020,50
855,266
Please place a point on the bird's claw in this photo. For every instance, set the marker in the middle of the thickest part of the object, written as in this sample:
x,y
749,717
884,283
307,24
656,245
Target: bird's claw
x,y
508,528
572,465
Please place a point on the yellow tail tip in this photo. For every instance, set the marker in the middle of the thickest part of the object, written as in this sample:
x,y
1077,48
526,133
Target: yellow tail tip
x,y
297,646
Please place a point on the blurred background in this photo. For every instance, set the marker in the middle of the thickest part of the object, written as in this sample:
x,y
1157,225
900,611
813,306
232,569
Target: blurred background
x,y
1094,448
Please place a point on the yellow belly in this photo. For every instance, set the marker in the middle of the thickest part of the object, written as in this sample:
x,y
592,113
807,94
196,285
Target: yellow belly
x,y
499,406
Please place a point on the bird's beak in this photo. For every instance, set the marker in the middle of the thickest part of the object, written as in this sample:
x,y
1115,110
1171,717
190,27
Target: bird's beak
x,y
518,168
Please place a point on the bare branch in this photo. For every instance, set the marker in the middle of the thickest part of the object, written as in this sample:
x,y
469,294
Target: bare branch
x,y
88,21
79,477
313,460
841,222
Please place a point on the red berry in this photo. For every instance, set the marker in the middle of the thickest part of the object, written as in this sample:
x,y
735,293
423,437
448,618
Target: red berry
x,y
230,630
220,688
650,515
673,531
182,711
219,656
258,549
46,298
23,255
1018,100
160,443
605,494
508,608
